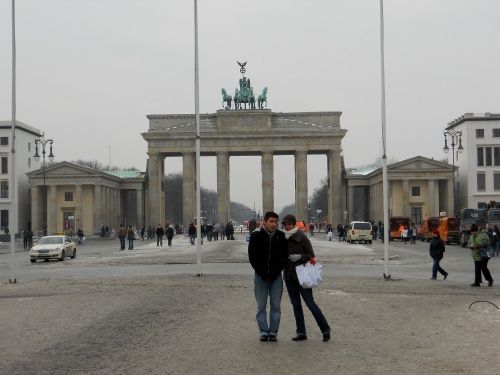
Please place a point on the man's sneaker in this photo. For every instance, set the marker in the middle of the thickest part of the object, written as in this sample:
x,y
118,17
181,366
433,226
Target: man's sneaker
x,y
273,338
263,338
474,284
445,276
433,278
490,283
326,336
299,338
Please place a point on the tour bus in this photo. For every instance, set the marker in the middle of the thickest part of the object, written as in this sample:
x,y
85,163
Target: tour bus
x,y
469,216
449,229
429,225
395,223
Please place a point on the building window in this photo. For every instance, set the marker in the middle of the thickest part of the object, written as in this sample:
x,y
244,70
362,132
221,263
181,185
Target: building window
x,y
416,215
480,156
481,204
488,156
496,155
496,181
5,165
479,133
496,132
4,219
68,196
29,146
4,189
29,162
4,141
481,182
415,191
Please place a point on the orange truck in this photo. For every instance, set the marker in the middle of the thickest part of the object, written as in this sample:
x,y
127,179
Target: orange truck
x,y
395,222
449,229
429,225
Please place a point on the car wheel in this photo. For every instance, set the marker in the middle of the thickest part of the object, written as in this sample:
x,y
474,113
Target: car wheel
x,y
63,255
74,254
370,242
32,260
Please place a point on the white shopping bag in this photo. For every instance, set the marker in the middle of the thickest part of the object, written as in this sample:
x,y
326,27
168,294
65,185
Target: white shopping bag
x,y
309,274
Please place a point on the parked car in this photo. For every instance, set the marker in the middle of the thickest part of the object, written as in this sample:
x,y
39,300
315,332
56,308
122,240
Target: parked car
x,y
53,247
359,231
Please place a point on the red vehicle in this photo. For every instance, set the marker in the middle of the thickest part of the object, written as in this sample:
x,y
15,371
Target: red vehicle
x,y
429,225
395,223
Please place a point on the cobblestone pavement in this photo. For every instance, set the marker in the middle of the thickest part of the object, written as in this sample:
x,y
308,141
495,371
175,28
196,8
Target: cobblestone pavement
x,y
142,312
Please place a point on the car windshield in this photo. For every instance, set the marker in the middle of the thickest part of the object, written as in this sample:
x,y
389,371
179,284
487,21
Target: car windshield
x,y
494,215
362,226
50,241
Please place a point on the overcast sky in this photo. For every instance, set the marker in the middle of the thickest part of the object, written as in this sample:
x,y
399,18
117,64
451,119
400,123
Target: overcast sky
x,y
89,71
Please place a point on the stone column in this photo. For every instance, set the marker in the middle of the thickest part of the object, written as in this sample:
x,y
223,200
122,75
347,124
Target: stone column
x,y
267,169
98,208
431,198
112,208
35,209
334,187
78,207
301,211
139,217
107,207
350,203
52,209
118,216
188,186
223,186
154,188
450,197
406,197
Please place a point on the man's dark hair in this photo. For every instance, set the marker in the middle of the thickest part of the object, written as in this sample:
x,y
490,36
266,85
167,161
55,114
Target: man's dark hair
x,y
270,214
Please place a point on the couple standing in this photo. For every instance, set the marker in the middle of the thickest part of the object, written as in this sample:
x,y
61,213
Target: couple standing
x,y
271,252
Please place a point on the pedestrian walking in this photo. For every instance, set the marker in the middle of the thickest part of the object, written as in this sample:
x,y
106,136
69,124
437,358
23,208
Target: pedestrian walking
x,y
169,233
143,231
496,251
80,235
300,251
192,233
404,234
122,234
222,231
479,243
30,238
103,231
436,251
413,234
375,232
267,253
159,235
216,231
25,239
130,237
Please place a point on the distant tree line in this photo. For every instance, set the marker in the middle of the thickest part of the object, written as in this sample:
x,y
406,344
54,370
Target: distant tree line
x,y
174,198
94,164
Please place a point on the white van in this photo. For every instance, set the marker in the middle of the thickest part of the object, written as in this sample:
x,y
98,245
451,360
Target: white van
x,y
359,231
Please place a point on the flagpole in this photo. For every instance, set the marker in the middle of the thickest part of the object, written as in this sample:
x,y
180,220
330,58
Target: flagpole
x,y
12,174
198,149
385,184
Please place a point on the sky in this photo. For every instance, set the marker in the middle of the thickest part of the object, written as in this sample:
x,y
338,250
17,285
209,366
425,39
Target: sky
x,y
90,71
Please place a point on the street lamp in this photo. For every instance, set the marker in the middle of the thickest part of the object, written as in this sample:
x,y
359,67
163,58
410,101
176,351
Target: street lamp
x,y
456,140
43,142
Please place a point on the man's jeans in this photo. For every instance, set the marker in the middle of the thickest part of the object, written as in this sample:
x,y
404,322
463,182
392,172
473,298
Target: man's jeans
x,y
273,289
130,244
122,243
436,267
295,291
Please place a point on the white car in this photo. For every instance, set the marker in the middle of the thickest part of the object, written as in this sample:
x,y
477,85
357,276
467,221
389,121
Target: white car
x,y
53,247
359,231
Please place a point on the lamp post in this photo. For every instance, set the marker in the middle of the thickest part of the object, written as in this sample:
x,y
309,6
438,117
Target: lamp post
x,y
456,140
43,142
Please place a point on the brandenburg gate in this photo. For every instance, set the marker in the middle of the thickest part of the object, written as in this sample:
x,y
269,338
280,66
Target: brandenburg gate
x,y
243,131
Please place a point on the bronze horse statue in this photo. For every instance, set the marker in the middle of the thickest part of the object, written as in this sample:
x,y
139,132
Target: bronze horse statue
x,y
262,98
226,99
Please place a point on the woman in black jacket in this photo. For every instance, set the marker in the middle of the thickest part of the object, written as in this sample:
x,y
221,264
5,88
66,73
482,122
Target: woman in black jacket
x,y
300,252
436,251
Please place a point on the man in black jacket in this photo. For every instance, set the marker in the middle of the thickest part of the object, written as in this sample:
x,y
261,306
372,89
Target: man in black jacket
x,y
436,251
267,252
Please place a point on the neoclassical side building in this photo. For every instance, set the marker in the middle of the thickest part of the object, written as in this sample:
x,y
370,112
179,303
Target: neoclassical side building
x,y
82,197
229,133
419,187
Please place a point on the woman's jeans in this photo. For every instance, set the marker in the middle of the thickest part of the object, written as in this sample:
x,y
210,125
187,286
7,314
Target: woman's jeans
x,y
481,266
273,289
295,291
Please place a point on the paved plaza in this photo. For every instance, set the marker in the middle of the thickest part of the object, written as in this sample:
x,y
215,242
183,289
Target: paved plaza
x,y
143,312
